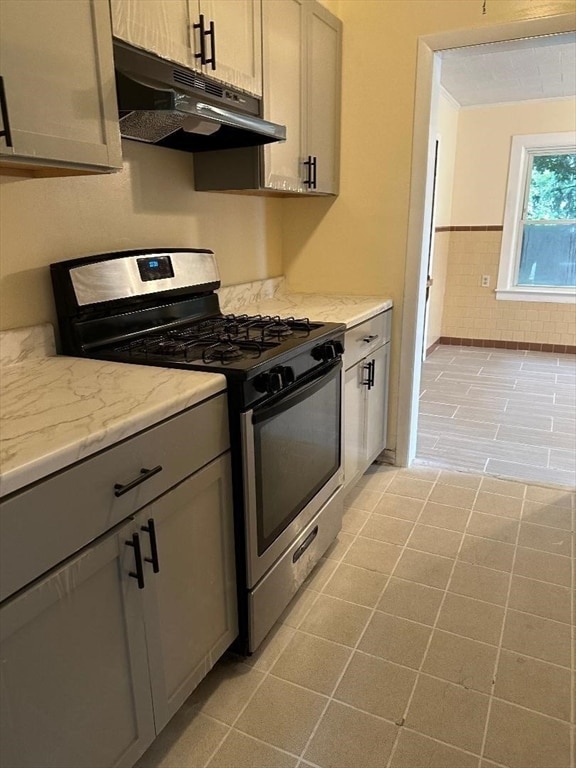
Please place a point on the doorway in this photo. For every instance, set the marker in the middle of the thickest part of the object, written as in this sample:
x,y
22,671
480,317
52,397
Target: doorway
x,y
427,89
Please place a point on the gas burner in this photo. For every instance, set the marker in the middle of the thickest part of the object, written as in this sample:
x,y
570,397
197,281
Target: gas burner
x,y
222,351
277,329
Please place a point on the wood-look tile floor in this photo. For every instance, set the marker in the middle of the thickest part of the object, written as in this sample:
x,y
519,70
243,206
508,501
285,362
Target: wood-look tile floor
x,y
436,633
501,412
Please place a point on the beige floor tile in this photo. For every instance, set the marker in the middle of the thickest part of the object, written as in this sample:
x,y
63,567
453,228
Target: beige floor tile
x,y
387,529
353,520
553,540
522,739
547,514
224,692
339,546
416,751
271,647
487,553
449,713
373,555
394,639
362,498
432,570
453,495
298,607
533,684
461,660
320,574
312,662
410,600
189,739
282,714
436,541
554,496
411,487
543,566
336,620
459,479
499,505
399,506
356,585
538,637
502,487
547,600
420,472
493,526
376,686
444,516
348,738
471,618
377,478
242,751
480,583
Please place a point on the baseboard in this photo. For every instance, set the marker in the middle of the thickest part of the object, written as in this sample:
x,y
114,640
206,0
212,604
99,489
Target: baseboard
x,y
432,347
533,346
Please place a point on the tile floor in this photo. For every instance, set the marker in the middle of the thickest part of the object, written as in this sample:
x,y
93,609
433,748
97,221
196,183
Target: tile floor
x,y
503,412
438,632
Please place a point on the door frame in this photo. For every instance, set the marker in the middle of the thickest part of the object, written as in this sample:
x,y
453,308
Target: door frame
x,y
420,206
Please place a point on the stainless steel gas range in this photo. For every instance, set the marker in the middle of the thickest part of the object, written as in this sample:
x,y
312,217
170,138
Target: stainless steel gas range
x,y
160,307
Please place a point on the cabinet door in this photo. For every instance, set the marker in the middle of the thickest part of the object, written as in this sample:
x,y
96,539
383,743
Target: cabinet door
x,y
377,404
191,615
322,109
58,76
283,88
354,417
74,677
238,42
157,26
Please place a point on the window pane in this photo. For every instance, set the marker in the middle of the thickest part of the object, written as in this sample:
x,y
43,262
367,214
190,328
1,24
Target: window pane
x,y
552,193
548,255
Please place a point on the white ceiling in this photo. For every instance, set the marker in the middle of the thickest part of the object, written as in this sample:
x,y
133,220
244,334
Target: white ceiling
x,y
518,70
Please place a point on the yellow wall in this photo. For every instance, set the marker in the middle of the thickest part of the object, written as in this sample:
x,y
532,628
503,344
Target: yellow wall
x,y
357,243
480,180
446,133
483,153
151,202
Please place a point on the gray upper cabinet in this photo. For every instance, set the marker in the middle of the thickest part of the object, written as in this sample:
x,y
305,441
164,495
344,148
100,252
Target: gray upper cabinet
x,y
59,101
302,83
221,38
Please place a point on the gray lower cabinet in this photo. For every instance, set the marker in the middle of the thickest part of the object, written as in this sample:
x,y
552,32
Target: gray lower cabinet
x,y
367,362
98,655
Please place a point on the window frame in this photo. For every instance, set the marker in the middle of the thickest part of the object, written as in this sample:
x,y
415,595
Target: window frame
x,y
523,147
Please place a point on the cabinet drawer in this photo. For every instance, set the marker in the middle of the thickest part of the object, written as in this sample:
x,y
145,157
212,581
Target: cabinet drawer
x,y
47,523
366,337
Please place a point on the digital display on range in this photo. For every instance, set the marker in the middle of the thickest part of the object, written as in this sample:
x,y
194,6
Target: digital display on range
x,y
156,267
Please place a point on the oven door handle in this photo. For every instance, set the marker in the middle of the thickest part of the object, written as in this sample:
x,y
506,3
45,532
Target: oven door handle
x,y
297,395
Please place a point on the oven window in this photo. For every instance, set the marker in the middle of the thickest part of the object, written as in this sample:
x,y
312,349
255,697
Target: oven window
x,y
297,450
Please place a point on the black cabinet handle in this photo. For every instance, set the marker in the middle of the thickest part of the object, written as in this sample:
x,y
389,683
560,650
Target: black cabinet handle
x,y
151,531
5,132
372,373
314,169
308,163
203,33
139,573
366,382
212,35
145,474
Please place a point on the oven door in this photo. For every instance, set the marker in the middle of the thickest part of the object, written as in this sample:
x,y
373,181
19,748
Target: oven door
x,y
291,464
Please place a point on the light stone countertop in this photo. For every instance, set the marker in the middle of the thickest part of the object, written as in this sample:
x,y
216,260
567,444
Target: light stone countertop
x,y
56,410
326,308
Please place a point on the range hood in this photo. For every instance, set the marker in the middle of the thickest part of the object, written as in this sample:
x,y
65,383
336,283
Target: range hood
x,y
166,104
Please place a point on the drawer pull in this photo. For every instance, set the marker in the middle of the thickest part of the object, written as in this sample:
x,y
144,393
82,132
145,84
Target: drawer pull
x,y
150,529
139,573
368,339
305,544
145,474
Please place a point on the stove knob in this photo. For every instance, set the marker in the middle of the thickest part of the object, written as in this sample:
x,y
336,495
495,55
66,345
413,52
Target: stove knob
x,y
270,382
288,376
328,351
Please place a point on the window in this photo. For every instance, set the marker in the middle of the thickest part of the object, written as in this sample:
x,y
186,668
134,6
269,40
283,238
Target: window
x,y
538,256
